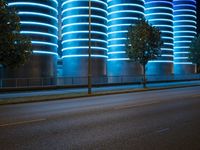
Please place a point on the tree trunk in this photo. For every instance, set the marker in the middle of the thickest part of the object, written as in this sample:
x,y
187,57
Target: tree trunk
x,y
144,76
198,68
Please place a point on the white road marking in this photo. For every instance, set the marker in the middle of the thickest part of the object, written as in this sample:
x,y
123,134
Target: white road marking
x,y
136,105
21,122
163,130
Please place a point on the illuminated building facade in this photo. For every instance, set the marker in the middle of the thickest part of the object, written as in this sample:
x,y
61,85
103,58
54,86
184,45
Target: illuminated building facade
x,y
110,20
75,39
159,13
39,22
184,32
122,14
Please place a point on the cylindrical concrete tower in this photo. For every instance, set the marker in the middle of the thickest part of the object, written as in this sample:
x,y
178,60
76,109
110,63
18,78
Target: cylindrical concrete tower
x,y
184,32
75,37
122,14
159,13
39,22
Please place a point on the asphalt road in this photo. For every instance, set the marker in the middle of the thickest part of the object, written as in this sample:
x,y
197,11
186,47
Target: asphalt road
x,y
152,120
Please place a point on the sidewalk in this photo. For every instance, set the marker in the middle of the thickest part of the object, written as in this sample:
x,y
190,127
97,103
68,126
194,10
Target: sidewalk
x,y
30,96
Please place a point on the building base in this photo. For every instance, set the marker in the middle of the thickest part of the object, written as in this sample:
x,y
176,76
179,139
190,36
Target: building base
x,y
159,68
40,70
123,71
184,69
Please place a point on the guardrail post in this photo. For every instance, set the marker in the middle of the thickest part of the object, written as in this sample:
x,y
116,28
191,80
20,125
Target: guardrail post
x,y
15,82
1,83
42,83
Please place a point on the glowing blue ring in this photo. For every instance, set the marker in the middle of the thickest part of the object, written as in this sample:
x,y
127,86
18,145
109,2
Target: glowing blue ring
x,y
79,8
39,33
78,16
95,40
83,23
39,23
75,32
93,55
37,14
84,47
33,4
45,43
44,52
99,1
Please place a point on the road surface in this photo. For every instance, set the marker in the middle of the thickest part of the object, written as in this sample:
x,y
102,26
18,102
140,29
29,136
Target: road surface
x,y
151,120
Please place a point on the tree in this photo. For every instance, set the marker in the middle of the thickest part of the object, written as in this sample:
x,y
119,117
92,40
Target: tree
x,y
194,52
143,44
15,48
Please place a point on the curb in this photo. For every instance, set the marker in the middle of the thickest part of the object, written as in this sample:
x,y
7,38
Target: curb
x,y
32,99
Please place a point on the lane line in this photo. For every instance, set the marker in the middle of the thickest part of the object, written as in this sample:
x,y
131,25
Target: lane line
x,y
136,105
21,122
163,130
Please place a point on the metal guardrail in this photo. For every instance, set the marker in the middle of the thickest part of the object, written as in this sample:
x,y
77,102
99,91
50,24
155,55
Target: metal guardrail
x,y
73,81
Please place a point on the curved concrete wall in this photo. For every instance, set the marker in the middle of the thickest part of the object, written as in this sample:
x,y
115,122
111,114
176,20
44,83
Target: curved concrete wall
x,y
121,14
160,14
75,35
184,32
39,22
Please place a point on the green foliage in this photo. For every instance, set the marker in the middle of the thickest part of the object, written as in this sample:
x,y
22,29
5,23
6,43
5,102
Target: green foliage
x,y
15,48
143,42
194,55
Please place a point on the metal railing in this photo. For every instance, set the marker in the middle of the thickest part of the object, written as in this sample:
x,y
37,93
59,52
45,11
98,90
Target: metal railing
x,y
82,81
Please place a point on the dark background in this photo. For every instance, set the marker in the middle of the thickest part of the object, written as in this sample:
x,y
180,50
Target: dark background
x,y
198,16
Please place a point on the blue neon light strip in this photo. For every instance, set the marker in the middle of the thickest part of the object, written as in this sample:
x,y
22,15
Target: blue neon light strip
x,y
83,23
178,5
158,7
75,31
37,14
163,19
69,1
121,15
126,11
118,59
33,19
126,4
32,4
184,29
118,25
84,47
123,18
75,56
78,8
183,63
39,33
153,14
93,32
44,52
38,23
78,16
76,40
183,21
118,52
161,61
45,43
